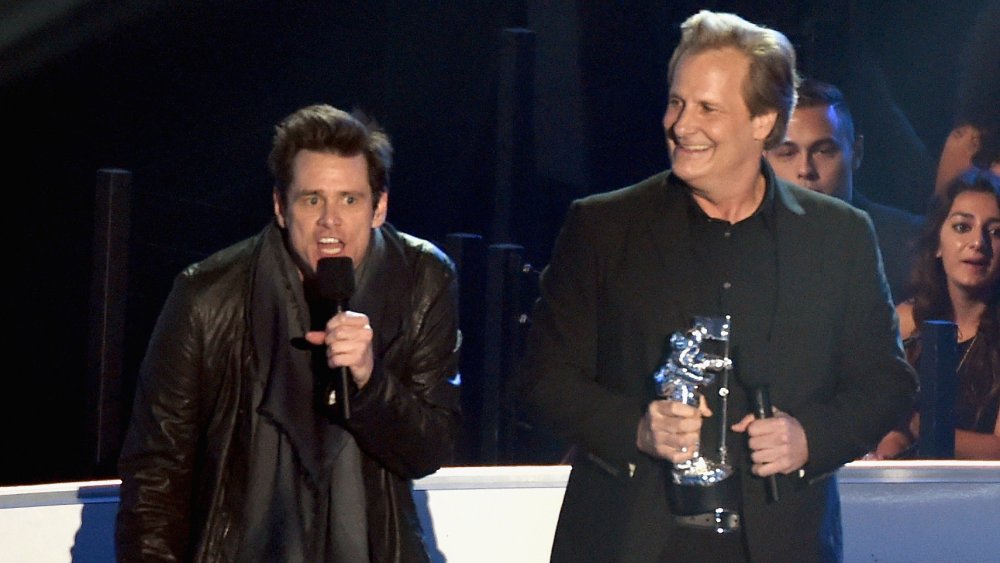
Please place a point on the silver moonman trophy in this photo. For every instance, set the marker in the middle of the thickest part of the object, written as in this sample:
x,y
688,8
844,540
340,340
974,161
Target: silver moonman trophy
x,y
702,495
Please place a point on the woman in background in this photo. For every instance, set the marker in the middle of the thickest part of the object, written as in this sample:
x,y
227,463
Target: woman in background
x,y
957,278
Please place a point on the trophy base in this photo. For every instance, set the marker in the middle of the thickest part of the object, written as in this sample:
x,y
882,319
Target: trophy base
x,y
702,499
700,472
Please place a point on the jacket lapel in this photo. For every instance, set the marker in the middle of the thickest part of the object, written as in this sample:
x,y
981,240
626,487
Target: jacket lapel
x,y
670,237
654,280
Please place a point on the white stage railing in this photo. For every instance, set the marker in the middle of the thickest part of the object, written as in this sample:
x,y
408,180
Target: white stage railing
x,y
892,511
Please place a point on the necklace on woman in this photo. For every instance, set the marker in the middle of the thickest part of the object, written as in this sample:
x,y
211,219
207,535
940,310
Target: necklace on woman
x,y
966,354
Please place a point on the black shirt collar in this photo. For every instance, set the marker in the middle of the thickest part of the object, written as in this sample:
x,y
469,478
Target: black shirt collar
x,y
765,212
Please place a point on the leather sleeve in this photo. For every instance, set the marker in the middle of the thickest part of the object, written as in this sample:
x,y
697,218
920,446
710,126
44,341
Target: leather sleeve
x,y
157,462
408,416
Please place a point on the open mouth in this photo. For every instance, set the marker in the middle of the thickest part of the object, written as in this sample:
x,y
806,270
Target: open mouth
x,y
330,246
693,148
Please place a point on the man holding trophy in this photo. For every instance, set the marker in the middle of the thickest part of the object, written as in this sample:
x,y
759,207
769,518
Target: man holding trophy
x,y
675,310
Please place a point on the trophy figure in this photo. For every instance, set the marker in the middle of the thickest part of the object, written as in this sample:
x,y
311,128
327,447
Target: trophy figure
x,y
702,495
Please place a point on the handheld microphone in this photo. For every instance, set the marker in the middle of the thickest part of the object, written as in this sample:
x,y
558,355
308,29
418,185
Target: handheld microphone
x,y
762,409
334,287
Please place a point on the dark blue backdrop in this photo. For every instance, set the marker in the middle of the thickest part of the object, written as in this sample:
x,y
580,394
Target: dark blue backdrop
x,y
186,97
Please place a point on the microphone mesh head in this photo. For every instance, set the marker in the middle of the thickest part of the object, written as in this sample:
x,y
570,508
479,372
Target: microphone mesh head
x,y
335,277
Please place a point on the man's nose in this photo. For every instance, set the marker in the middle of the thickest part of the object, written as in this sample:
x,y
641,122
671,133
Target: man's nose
x,y
807,168
681,124
330,215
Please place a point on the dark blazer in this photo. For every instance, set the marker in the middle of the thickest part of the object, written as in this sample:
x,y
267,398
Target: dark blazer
x,y
616,286
897,232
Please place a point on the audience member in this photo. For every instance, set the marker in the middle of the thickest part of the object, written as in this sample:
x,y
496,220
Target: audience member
x,y
231,454
975,137
957,278
822,152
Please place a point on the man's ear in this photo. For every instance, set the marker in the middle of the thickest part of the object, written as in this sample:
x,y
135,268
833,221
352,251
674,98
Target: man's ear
x,y
858,151
381,210
278,208
763,124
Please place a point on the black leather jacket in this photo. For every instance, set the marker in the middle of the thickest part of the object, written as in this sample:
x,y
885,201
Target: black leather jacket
x,y
185,458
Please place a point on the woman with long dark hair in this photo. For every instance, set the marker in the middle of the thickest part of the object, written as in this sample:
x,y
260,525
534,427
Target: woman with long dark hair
x,y
957,278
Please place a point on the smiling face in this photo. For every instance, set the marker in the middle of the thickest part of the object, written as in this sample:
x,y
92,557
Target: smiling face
x,y
329,209
817,153
713,140
969,243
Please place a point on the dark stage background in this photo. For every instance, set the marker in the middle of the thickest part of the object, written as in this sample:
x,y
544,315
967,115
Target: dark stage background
x,y
185,95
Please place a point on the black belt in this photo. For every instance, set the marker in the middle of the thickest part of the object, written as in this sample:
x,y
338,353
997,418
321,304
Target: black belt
x,y
721,521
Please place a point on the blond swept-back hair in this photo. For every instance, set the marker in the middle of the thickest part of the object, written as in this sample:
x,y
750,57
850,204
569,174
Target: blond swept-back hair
x,y
772,80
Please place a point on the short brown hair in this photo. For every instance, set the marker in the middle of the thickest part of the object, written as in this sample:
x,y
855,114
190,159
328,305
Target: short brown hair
x,y
816,93
325,128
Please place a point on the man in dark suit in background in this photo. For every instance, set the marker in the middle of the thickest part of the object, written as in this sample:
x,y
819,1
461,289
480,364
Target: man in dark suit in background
x,y
718,234
821,152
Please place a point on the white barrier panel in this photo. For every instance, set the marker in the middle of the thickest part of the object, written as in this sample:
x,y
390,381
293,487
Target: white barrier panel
x,y
892,511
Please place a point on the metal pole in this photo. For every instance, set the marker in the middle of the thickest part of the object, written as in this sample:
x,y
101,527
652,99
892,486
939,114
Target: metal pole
x,y
108,287
468,251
